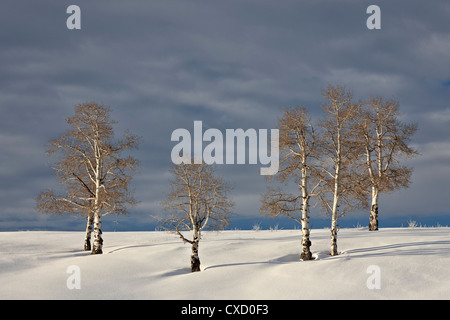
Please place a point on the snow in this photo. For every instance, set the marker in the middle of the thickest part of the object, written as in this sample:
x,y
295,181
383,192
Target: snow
x,y
413,263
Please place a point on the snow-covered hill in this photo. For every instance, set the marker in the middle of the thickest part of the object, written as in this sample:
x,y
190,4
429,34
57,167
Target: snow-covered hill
x,y
397,263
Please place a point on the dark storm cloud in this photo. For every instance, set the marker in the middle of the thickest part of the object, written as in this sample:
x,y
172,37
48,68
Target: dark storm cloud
x,y
161,65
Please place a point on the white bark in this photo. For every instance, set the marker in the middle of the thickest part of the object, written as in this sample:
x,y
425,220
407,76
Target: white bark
x,y
306,243
98,241
195,260
87,240
336,193
373,222
334,225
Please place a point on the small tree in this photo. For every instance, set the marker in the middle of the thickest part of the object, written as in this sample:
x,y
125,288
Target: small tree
x,y
341,191
297,164
384,142
95,175
198,199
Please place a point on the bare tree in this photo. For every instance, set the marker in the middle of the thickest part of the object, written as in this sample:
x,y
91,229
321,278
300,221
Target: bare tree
x,y
341,190
384,140
297,164
90,167
198,199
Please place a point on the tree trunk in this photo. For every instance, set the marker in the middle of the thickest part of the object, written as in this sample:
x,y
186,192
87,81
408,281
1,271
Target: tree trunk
x,y
195,260
98,241
373,220
334,218
87,240
336,193
334,214
334,251
306,243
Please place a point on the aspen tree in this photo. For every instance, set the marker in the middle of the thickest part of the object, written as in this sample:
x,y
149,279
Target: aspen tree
x,y
91,168
384,143
297,162
197,200
341,190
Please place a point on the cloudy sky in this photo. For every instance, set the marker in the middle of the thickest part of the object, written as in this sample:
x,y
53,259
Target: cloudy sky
x,y
161,64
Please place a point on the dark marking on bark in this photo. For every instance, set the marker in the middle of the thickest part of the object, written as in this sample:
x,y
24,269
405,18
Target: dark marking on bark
x,y
373,220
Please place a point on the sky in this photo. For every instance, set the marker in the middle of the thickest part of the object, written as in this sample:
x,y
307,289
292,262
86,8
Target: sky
x,y
162,64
